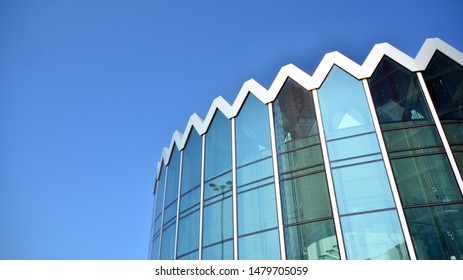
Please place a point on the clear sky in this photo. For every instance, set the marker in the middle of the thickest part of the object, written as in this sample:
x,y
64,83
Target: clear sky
x,y
92,90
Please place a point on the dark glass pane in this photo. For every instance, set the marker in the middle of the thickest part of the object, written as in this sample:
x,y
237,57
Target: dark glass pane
x,y
188,233
343,105
261,246
312,241
425,179
173,177
444,80
459,159
217,222
437,232
168,243
252,132
454,132
397,96
305,198
362,187
218,146
191,171
300,159
160,192
417,137
221,251
294,115
257,210
374,236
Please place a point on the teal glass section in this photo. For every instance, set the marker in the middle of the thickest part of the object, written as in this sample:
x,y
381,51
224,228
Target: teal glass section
x,y
191,171
218,147
155,248
259,246
160,193
173,175
312,241
362,187
221,251
191,256
168,243
374,236
188,233
361,145
344,105
437,231
217,223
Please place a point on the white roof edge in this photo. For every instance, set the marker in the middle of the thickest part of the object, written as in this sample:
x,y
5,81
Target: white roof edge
x,y
363,71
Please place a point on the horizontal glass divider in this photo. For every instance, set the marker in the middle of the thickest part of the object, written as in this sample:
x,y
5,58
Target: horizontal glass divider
x,y
368,212
451,121
392,157
257,232
298,149
302,175
190,190
217,243
252,162
169,224
187,253
417,148
356,157
351,136
217,176
170,204
406,127
217,195
253,182
257,187
185,213
433,204
158,217
456,144
357,163
301,169
308,221
217,201
156,234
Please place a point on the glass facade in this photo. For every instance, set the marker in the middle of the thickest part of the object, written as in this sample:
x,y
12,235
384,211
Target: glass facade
x,y
351,168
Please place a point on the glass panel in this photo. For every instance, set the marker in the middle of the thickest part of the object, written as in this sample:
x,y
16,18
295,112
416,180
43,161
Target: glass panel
x,y
217,222
218,186
343,105
312,241
261,246
305,198
374,236
191,256
218,146
253,172
459,160
417,137
190,199
454,132
299,159
168,243
155,249
353,147
444,80
397,96
257,210
188,233
362,187
170,212
191,171
425,179
252,132
294,114
173,177
160,192
437,232
221,251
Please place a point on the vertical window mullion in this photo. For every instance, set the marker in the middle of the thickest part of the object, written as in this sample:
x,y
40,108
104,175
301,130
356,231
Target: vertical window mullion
x,y
178,204
201,199
234,191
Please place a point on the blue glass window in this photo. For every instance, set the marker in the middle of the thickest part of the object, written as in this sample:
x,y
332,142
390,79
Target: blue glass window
x,y
260,246
220,251
168,243
191,173
188,233
217,224
218,146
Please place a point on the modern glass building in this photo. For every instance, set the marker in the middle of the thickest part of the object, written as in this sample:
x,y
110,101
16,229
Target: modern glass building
x,y
354,162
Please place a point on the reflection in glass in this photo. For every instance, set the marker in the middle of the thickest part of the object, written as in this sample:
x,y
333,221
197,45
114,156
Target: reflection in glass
x,y
188,233
260,246
221,251
374,236
312,241
425,179
217,223
356,146
218,146
437,232
410,138
343,105
362,187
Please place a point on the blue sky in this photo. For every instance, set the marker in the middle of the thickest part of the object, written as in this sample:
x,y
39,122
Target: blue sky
x,y
91,91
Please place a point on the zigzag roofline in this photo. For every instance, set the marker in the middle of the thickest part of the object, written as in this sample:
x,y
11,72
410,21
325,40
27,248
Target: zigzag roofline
x,y
363,71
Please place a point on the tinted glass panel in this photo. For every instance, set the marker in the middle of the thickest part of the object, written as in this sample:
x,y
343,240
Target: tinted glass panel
x,y
190,199
190,256
160,192
155,249
374,236
217,223
252,132
362,187
191,171
188,233
257,210
305,198
218,146
218,185
312,241
261,246
343,105
168,242
173,177
221,251
437,232
302,158
353,147
253,172
417,137
425,179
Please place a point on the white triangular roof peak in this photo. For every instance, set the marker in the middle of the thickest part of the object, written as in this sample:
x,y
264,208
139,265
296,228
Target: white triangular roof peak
x,y
363,71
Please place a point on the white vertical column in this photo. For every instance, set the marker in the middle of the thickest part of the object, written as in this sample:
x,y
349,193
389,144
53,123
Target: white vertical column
x,y
276,178
390,173
329,178
441,131
201,201
178,204
234,192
